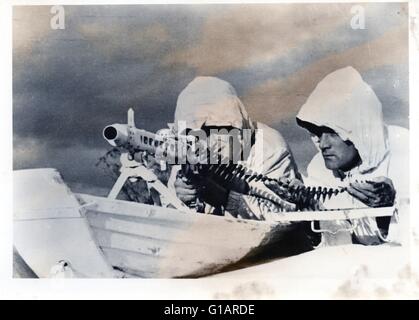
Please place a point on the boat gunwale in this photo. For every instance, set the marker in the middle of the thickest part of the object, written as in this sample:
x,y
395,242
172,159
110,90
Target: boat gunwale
x,y
284,217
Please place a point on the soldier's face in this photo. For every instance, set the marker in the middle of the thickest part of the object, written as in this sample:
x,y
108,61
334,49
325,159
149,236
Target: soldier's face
x,y
337,153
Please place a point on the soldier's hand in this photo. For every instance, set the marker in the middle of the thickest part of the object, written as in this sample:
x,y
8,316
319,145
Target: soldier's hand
x,y
185,191
378,192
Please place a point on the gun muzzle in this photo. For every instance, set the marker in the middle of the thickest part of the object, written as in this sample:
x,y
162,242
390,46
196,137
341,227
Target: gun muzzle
x,y
116,134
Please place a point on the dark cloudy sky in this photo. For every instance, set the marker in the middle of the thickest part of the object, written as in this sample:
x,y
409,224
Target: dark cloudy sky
x,y
69,84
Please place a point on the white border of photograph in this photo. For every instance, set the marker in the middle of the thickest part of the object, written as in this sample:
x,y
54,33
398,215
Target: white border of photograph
x,y
277,288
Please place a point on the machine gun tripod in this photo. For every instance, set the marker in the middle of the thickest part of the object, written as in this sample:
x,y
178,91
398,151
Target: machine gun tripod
x,y
132,169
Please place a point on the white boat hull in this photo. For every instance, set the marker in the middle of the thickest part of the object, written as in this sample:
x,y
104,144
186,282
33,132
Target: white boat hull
x,y
155,242
101,237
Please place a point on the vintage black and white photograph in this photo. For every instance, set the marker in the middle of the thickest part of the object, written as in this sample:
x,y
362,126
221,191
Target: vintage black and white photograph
x,y
214,141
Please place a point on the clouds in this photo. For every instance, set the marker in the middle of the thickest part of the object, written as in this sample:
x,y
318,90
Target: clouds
x,y
248,35
25,36
284,95
251,34
69,84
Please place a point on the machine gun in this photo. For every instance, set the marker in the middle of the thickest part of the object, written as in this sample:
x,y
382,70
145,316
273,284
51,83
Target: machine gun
x,y
165,145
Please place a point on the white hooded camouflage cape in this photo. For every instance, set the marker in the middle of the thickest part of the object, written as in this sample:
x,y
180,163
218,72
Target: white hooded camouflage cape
x,y
211,101
343,102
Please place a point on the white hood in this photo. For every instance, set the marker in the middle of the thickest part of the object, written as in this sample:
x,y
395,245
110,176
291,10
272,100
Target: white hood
x,y
343,102
213,102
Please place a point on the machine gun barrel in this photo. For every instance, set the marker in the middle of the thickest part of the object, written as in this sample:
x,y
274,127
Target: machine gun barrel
x,y
164,145
132,139
116,134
